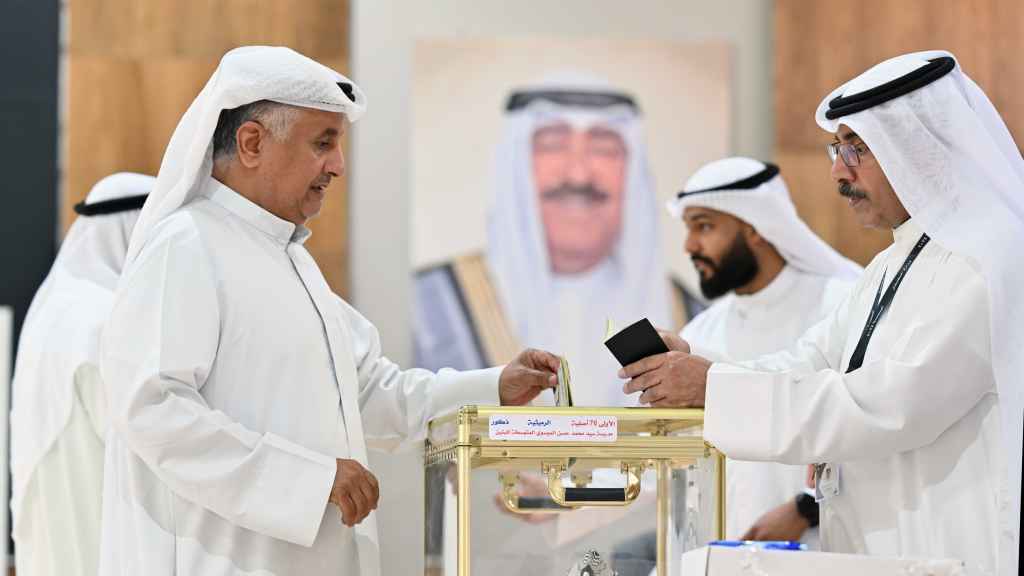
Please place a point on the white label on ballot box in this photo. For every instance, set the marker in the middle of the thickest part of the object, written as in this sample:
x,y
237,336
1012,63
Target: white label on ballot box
x,y
557,428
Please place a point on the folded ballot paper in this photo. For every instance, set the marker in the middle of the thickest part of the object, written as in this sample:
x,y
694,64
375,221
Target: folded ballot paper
x,y
563,393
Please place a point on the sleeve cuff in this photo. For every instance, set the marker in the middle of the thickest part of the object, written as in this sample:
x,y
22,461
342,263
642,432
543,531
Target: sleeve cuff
x,y
698,350
737,418
454,389
302,481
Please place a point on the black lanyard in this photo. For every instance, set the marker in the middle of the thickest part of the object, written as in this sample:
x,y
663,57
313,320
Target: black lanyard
x,y
881,304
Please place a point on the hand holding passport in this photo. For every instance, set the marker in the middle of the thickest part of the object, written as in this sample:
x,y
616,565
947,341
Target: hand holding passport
x,y
667,378
636,342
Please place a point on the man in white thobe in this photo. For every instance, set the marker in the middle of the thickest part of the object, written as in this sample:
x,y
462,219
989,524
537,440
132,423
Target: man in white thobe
x,y
770,279
58,417
773,278
906,396
242,391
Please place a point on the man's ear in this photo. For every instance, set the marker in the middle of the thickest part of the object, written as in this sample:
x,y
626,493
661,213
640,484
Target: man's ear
x,y
250,142
752,237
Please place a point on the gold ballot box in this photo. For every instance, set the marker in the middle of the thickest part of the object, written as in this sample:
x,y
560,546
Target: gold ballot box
x,y
569,490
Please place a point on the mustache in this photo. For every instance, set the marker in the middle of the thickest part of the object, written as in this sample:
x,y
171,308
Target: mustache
x,y
848,190
588,192
707,261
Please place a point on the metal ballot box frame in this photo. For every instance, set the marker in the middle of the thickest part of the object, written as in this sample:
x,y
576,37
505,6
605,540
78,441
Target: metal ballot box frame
x,y
640,439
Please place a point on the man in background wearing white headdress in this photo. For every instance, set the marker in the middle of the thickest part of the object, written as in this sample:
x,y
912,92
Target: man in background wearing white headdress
x,y
58,417
773,278
572,241
239,384
908,397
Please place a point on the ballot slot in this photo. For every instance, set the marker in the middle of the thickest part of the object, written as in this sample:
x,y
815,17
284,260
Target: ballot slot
x,y
578,496
562,498
595,496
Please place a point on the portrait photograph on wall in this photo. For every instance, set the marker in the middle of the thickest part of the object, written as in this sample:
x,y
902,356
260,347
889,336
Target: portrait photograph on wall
x,y
538,194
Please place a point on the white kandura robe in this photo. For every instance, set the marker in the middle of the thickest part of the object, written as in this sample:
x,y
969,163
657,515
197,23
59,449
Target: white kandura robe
x,y
915,430
58,525
235,378
746,327
58,413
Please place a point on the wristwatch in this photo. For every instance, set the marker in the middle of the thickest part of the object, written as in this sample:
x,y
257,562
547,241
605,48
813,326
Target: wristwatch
x,y
807,508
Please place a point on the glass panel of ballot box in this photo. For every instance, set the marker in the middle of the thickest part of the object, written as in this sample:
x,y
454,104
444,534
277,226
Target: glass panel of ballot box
x,y
569,491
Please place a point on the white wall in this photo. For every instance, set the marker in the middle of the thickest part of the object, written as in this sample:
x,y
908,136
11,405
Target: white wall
x,y
382,47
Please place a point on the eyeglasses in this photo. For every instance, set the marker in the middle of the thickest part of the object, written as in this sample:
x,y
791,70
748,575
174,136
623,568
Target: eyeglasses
x,y
850,153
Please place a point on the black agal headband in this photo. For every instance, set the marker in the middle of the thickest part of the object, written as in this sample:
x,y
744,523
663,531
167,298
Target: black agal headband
x,y
749,183
845,105
580,99
347,89
126,204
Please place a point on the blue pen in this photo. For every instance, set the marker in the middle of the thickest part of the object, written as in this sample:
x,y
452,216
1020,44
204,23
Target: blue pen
x,y
765,545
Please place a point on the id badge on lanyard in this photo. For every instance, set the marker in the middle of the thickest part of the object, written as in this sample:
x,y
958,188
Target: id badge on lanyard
x,y
827,476
826,481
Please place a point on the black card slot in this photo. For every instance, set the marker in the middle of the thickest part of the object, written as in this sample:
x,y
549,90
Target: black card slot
x,y
595,495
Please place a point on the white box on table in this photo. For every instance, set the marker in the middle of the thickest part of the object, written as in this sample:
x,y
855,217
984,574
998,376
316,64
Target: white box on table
x,y
724,561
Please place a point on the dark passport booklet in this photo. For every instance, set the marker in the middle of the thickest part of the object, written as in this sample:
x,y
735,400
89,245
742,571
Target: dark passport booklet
x,y
636,342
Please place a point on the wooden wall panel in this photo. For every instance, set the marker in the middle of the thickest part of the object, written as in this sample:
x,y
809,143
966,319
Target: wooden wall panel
x,y
200,28
135,66
819,45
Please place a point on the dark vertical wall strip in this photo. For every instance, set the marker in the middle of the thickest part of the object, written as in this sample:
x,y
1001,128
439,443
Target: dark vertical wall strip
x,y
29,50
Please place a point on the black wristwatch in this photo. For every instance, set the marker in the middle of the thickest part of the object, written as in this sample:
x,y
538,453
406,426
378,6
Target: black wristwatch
x,y
808,508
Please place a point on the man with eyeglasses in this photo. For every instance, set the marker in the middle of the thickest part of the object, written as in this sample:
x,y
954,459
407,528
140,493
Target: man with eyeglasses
x,y
907,398
872,198
770,278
